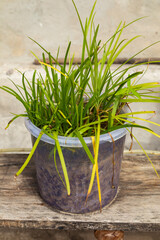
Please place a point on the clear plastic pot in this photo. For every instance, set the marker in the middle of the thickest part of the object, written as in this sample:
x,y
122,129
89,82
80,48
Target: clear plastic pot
x,y
79,169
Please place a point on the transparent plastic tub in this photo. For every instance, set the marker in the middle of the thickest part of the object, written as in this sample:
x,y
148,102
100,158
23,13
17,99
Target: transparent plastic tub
x,y
79,169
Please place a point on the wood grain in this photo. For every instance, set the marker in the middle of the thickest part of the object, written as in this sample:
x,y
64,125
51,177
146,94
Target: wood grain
x,y
136,208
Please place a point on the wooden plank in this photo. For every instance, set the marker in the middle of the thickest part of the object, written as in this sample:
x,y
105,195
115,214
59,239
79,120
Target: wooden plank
x,y
136,208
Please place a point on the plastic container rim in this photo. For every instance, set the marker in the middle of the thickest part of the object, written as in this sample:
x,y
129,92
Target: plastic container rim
x,y
73,141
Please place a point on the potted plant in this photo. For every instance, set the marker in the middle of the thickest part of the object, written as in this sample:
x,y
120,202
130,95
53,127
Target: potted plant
x,y
78,116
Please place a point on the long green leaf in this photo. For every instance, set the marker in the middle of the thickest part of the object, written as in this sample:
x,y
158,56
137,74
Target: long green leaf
x,y
31,153
62,162
84,146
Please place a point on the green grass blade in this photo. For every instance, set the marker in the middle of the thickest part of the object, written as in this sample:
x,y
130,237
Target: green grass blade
x,y
62,163
83,31
54,59
145,154
66,55
31,154
14,118
130,100
95,166
84,146
55,162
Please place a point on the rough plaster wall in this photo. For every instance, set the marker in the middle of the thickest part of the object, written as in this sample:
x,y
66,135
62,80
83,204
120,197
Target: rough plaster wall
x,y
54,23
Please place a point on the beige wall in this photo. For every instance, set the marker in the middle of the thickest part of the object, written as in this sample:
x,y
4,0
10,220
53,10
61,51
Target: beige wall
x,y
54,23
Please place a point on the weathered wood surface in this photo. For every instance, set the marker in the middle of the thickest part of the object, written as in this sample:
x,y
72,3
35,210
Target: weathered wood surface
x,y
136,208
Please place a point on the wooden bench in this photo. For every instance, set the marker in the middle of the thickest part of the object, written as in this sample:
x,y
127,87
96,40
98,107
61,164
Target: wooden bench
x,y
136,208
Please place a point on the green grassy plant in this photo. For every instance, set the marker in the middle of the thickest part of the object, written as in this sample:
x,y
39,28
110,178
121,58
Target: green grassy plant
x,y
86,99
